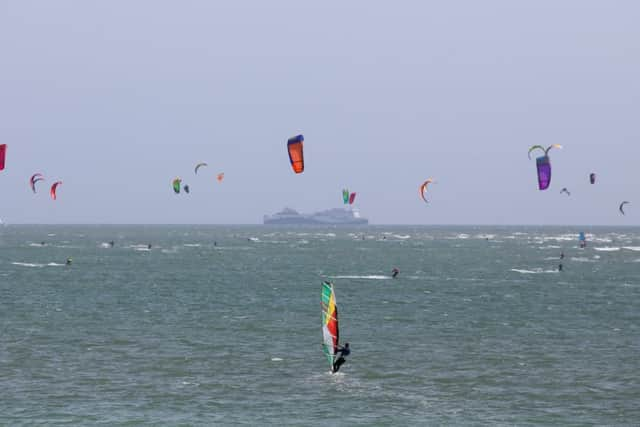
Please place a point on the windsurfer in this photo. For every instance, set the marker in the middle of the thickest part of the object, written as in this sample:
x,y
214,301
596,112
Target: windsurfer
x,y
344,352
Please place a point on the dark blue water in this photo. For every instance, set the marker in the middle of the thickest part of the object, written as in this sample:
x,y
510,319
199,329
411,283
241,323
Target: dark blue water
x,y
221,326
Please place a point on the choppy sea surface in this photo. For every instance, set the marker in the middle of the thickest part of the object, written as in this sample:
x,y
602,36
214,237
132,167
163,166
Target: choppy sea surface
x,y
218,325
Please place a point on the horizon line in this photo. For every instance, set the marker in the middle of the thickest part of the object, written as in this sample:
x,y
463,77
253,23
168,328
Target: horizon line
x,y
313,225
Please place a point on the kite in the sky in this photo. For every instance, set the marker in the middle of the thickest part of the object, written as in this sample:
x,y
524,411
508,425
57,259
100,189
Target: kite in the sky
x,y
564,190
34,179
54,189
199,165
296,155
176,184
621,207
423,189
543,164
3,154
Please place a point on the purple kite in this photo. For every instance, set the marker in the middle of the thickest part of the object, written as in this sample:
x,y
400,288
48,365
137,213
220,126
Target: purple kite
x,y
543,164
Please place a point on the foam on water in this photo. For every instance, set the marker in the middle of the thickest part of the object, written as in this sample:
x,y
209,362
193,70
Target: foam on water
x,y
36,265
536,271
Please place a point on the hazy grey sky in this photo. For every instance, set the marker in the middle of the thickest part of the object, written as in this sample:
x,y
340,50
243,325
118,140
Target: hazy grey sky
x,y
115,98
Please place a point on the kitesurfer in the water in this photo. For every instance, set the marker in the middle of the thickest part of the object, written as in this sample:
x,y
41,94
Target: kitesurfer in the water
x,y
112,243
344,352
561,255
395,272
149,246
560,267
69,261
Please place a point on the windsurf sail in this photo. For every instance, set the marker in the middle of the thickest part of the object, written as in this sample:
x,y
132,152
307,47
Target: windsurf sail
x,y
330,332
345,196
352,198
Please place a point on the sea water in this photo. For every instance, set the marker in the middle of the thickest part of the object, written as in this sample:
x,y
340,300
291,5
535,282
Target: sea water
x,y
218,325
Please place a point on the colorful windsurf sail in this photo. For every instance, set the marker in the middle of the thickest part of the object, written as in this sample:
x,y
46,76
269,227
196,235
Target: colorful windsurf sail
x,y
330,331
54,190
543,165
345,196
220,176
296,154
352,198
3,155
34,179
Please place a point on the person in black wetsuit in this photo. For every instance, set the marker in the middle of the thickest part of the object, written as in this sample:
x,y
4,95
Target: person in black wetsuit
x,y
395,272
344,352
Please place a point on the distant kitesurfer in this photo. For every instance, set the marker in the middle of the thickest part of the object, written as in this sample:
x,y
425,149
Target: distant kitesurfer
x,y
69,261
560,267
561,255
344,352
42,243
395,272
215,243
149,246
112,243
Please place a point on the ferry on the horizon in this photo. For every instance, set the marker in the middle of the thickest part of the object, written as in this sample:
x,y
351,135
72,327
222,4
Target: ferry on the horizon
x,y
336,216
